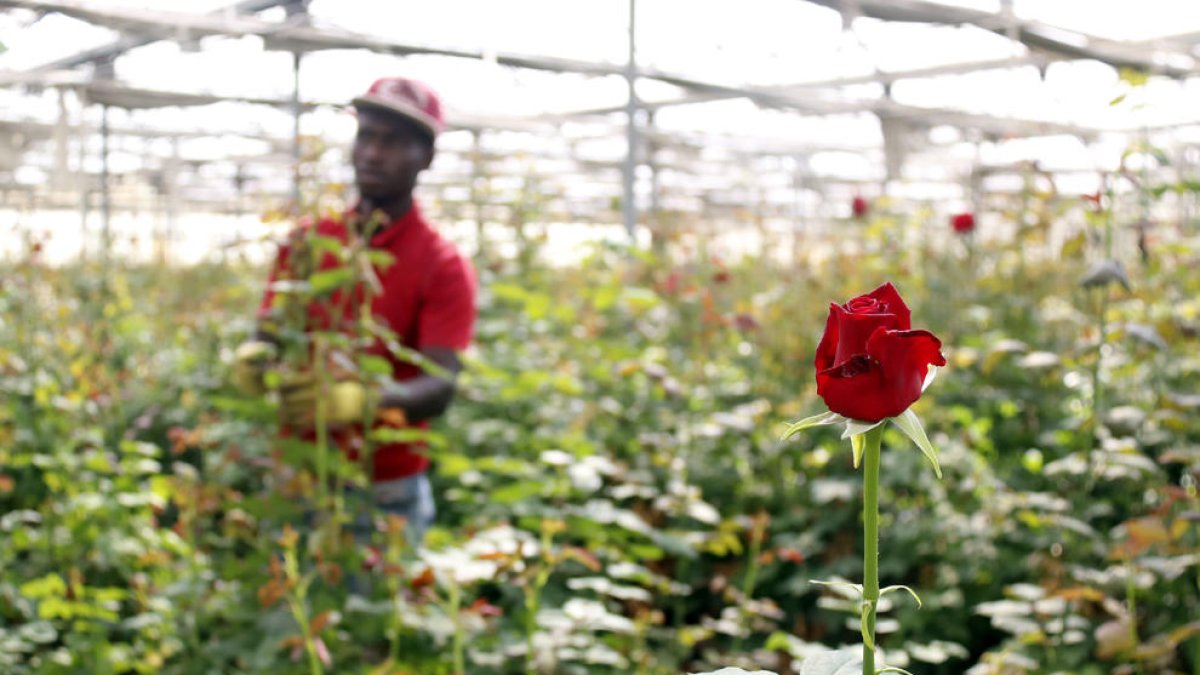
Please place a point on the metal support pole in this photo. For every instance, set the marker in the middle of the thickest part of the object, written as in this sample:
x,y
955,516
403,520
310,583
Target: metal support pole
x,y
81,177
59,178
105,196
651,152
171,192
477,191
628,207
296,110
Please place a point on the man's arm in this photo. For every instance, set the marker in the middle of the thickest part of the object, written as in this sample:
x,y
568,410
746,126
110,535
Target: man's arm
x,y
425,396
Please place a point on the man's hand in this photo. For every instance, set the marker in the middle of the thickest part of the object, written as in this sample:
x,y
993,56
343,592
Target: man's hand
x,y
345,402
250,361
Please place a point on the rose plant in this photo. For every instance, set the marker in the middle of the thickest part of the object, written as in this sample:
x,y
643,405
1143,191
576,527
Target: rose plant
x,y
871,367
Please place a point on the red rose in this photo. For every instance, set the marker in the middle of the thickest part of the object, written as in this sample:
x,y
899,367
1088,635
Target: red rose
x,y
859,207
870,365
963,222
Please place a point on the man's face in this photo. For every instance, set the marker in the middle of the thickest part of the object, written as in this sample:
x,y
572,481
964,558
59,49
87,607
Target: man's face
x,y
388,153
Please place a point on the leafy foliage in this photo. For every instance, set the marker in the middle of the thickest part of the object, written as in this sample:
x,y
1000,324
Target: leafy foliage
x,y
614,495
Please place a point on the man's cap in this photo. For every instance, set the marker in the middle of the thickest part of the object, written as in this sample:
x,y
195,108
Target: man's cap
x,y
409,98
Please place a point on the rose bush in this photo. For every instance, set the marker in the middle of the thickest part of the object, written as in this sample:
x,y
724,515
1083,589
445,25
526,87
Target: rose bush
x,y
870,364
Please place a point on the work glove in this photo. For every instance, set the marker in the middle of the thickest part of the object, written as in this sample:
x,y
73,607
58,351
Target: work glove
x,y
345,402
250,361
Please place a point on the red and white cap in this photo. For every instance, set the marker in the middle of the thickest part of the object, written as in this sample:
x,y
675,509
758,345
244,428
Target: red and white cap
x,y
413,99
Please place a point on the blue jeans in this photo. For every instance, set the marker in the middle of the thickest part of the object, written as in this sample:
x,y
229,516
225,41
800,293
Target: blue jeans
x,y
410,498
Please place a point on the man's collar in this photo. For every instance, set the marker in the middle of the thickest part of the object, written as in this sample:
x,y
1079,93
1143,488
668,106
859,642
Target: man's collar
x,y
406,223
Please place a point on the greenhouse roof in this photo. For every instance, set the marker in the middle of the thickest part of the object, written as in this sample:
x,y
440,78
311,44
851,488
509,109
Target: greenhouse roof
x,y
762,96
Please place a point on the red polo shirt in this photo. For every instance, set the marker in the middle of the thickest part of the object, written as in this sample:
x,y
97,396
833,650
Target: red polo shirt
x,y
427,299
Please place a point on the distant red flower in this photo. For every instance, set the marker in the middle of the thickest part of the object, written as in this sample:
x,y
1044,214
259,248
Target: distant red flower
x,y
791,555
423,579
963,222
859,206
484,608
721,275
671,284
745,322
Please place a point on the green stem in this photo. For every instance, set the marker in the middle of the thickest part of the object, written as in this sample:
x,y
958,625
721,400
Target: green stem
x,y
1097,389
871,540
322,427
533,602
310,646
1131,604
531,608
757,534
459,636
1196,640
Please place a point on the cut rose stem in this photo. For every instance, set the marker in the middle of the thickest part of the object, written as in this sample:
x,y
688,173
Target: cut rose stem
x,y
870,542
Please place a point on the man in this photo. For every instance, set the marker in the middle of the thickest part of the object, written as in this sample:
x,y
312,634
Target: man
x,y
426,296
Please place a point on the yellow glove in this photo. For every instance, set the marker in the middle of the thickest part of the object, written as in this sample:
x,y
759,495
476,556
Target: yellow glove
x,y
250,361
345,402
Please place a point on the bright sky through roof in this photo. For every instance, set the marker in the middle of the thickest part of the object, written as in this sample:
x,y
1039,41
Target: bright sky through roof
x,y
759,42
756,43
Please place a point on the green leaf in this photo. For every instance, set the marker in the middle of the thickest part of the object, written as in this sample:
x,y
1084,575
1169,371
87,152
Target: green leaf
x,y
857,427
864,611
381,259
847,661
857,445
328,280
408,435
910,424
375,365
48,586
507,291
736,671
324,244
857,588
516,492
930,376
911,592
827,417
893,669
778,641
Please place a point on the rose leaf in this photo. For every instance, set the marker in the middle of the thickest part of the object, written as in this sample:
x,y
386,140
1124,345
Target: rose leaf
x,y
910,424
827,417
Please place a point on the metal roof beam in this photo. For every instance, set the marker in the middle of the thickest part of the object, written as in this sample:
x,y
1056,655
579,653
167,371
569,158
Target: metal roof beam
x,y
128,42
1035,35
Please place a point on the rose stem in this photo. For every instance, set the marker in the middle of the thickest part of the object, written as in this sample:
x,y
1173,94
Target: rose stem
x,y
870,540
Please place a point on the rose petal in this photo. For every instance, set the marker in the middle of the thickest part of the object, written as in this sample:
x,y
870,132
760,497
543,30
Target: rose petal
x,y
855,329
860,317
905,357
856,389
889,297
827,348
886,380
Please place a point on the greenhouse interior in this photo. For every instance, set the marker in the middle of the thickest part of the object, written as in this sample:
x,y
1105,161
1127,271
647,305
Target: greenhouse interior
x,y
661,368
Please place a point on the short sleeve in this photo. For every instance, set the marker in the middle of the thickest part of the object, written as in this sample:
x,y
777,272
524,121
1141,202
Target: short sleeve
x,y
446,317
